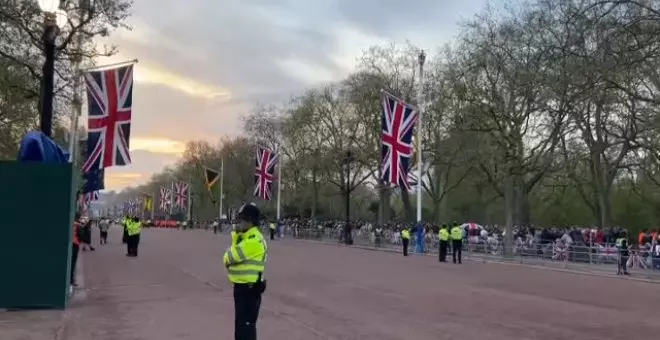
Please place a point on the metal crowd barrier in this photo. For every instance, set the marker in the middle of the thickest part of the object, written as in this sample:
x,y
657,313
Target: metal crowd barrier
x,y
601,259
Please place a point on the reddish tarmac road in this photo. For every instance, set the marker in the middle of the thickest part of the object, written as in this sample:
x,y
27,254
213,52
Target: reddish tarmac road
x,y
176,289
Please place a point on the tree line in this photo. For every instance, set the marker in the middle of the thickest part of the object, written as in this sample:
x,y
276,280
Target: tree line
x,y
539,113
22,56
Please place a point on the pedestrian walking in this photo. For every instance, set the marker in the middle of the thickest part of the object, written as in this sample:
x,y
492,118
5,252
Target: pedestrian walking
x,y
104,225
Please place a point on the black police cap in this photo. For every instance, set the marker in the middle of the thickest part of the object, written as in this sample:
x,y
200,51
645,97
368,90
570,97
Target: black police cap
x,y
249,212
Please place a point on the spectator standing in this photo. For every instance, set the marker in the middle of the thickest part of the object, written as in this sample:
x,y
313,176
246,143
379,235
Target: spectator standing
x,y
86,236
75,248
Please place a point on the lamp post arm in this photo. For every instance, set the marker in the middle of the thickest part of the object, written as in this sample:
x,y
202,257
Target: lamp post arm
x,y
48,79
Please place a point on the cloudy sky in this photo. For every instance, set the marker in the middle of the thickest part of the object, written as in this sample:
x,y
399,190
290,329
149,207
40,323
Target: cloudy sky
x,y
204,63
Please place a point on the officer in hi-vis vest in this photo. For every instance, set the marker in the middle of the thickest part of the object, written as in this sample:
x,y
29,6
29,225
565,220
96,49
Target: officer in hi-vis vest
x,y
622,249
133,229
443,235
245,260
405,239
272,227
456,242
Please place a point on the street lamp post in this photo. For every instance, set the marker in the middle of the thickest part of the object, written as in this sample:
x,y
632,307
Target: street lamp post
x,y
348,159
54,18
420,108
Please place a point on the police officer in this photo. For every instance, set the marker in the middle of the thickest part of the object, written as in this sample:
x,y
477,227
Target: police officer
x,y
622,247
443,235
245,260
272,227
133,230
405,239
456,241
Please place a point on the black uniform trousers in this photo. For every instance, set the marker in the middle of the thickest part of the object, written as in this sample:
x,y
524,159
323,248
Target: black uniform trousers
x,y
405,246
623,263
272,233
247,302
456,247
442,257
132,243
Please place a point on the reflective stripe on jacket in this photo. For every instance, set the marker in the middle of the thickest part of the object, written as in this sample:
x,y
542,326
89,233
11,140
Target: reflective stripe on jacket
x,y
246,260
133,228
444,235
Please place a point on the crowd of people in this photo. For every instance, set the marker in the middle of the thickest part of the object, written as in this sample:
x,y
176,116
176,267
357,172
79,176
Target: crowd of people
x,y
574,244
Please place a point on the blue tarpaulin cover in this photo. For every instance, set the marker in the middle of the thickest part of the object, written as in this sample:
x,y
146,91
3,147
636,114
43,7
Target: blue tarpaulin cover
x,y
37,147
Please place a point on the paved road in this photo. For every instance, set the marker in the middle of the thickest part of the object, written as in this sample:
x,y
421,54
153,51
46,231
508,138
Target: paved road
x,y
176,289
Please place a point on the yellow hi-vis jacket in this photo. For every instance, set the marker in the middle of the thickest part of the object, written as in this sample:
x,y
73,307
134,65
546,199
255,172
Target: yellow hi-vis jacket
x,y
246,259
457,233
133,228
444,234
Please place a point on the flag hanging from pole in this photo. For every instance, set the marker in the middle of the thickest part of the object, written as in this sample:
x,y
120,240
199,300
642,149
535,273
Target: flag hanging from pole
x,y
181,194
265,172
110,102
398,122
211,176
148,203
165,198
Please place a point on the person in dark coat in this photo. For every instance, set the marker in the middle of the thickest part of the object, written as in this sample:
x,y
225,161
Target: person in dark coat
x,y
86,236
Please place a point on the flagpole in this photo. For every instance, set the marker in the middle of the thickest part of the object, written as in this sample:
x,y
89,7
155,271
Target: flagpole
x,y
420,108
77,87
189,201
171,199
222,182
279,186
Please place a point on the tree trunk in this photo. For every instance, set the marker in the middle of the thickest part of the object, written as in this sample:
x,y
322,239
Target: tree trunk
x,y
384,195
439,199
510,207
315,195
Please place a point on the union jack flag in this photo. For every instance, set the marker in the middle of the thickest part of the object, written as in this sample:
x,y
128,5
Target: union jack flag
x,y
87,198
265,172
181,194
165,198
398,122
110,101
